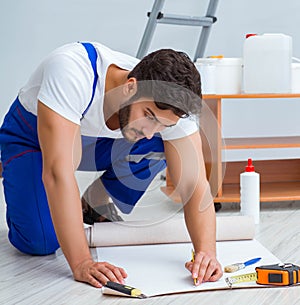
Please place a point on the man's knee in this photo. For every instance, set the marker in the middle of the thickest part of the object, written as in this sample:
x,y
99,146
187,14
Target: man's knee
x,y
34,242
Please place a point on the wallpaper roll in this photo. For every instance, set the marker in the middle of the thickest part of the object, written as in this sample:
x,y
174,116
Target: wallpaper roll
x,y
169,231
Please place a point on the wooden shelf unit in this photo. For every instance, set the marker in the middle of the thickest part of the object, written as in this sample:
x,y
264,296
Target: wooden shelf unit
x,y
280,179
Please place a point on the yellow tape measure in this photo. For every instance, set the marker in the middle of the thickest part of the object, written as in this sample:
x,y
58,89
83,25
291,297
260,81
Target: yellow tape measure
x,y
278,275
249,277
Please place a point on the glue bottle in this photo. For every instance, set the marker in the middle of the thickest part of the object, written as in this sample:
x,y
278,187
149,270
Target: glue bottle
x,y
250,192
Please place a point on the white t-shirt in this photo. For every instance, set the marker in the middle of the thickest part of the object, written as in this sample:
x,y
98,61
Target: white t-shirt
x,y
64,81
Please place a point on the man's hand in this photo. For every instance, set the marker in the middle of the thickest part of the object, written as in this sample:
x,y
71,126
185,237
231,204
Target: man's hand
x,y
205,268
98,273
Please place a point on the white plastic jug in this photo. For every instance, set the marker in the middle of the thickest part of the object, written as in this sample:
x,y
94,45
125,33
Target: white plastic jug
x,y
267,63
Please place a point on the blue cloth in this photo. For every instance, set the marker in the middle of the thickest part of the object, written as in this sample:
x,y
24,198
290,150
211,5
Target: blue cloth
x,y
128,171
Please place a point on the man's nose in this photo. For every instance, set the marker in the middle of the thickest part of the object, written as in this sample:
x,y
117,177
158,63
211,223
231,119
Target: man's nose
x,y
149,131
148,134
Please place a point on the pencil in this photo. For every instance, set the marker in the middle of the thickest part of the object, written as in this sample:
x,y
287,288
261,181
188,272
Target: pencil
x,y
193,259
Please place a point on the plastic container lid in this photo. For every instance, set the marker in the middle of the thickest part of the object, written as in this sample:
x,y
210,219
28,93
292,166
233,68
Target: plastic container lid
x,y
228,61
249,35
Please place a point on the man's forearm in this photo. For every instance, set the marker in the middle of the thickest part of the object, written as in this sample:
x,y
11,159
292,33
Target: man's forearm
x,y
65,207
202,228
201,225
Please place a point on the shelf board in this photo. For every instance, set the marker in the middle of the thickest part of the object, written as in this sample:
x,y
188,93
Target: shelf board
x,y
261,142
275,191
244,95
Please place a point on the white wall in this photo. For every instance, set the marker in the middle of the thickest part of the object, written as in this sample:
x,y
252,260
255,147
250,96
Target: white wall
x,y
29,29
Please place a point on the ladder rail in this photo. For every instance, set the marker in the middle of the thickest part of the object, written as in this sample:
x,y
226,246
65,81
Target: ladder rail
x,y
201,46
150,28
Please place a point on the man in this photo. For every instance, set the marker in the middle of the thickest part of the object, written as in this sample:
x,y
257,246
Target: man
x,y
90,108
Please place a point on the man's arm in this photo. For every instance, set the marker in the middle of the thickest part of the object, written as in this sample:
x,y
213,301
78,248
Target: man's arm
x,y
61,150
187,172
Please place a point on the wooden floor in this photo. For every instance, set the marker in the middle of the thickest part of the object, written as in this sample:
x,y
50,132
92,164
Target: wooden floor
x,y
47,280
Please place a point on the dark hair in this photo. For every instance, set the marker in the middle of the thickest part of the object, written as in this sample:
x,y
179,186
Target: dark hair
x,y
171,79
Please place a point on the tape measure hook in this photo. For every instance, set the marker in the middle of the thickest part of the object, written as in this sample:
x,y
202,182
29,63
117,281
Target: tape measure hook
x,y
229,281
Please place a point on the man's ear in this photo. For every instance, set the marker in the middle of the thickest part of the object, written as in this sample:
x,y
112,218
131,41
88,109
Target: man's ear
x,y
130,87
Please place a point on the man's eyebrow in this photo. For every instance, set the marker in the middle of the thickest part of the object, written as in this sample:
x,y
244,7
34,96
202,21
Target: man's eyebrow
x,y
157,120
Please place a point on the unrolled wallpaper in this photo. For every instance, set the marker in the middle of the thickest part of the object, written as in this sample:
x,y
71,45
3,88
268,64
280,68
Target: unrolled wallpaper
x,y
154,254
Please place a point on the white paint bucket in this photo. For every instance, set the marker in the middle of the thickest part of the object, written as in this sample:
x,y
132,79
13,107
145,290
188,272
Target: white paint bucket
x,y
295,78
220,75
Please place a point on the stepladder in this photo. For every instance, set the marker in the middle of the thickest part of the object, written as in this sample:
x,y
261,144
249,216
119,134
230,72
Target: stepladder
x,y
156,16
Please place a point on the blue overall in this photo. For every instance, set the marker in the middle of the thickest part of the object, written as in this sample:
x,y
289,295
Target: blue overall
x,y
128,171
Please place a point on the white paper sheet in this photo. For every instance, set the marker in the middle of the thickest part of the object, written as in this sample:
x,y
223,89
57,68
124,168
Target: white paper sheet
x,y
159,269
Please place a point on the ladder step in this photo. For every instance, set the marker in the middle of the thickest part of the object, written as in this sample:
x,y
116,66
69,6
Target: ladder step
x,y
186,20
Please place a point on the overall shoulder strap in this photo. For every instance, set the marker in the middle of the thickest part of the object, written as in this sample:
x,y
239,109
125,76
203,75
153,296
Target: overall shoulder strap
x,y
92,54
